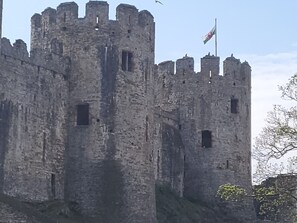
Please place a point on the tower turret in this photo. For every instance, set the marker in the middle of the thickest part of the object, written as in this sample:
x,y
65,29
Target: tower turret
x,y
109,166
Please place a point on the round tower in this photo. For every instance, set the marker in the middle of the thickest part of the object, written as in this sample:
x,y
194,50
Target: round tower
x,y
217,132
109,169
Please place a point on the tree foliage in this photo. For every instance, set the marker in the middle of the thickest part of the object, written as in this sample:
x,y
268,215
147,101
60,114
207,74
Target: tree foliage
x,y
278,140
274,199
231,192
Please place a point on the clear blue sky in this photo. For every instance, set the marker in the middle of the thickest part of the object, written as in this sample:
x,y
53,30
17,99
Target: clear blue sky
x,y
260,31
244,27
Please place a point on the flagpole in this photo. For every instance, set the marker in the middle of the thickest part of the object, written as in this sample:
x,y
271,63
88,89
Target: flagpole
x,y
216,39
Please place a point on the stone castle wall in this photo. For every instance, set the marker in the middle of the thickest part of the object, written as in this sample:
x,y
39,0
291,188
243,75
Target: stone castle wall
x,y
32,123
89,118
109,169
202,102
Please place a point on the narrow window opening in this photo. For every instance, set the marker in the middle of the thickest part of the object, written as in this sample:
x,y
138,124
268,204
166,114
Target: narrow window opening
x,y
158,163
179,127
227,164
43,147
97,23
210,77
82,117
146,128
129,19
184,82
127,61
234,105
53,185
64,18
206,139
184,168
129,30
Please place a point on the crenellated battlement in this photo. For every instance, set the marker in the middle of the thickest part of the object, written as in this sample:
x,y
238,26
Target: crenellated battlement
x,y
185,65
65,21
67,12
97,12
210,68
166,67
39,58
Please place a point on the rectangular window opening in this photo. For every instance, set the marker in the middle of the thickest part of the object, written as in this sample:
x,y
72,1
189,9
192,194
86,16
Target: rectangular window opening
x,y
146,128
234,106
158,163
53,185
82,117
206,139
127,61
43,147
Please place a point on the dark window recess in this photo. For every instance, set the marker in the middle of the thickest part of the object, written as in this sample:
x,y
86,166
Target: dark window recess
x,y
127,61
227,164
43,147
82,117
146,128
158,163
234,105
206,139
53,185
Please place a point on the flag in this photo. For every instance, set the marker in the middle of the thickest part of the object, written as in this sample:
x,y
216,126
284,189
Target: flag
x,y
209,35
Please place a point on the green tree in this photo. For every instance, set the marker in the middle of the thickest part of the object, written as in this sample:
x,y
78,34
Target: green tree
x,y
278,140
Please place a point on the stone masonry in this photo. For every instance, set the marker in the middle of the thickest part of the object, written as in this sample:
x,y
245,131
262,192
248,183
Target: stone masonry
x,y
87,117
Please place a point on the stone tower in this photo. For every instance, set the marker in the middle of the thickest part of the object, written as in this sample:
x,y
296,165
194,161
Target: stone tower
x,y
217,129
211,119
110,107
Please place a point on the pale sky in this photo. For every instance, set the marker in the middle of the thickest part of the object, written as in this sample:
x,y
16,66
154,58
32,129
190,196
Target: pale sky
x,y
261,32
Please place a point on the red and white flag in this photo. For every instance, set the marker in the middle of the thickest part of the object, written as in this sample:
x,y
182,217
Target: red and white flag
x,y
209,35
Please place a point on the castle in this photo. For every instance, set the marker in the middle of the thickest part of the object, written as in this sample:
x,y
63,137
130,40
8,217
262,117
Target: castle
x,y
87,117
